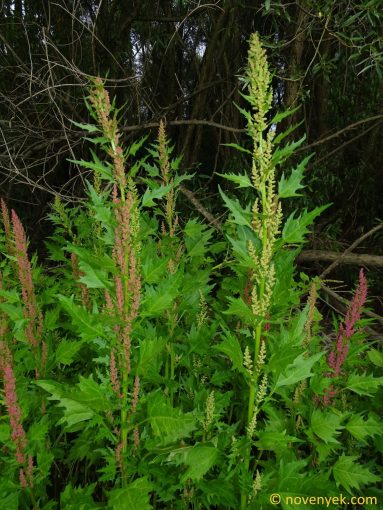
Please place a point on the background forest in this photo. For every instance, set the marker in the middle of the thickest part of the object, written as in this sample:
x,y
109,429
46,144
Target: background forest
x,y
191,236
180,61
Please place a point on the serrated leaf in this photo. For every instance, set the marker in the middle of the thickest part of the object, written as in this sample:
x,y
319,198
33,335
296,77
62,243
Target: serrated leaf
x,y
149,351
282,115
55,389
136,146
197,237
134,496
159,298
274,441
38,430
289,187
364,384
86,127
11,296
361,428
239,309
74,412
231,347
352,475
299,370
85,322
154,194
104,171
240,216
93,278
178,179
89,392
238,147
199,460
376,357
66,351
282,153
326,425
169,424
295,228
244,112
78,498
243,181
15,313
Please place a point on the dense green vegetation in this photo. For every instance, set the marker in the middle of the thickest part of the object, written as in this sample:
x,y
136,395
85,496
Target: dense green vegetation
x,y
149,361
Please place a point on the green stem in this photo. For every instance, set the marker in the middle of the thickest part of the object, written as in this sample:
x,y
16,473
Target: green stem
x,y
172,371
257,347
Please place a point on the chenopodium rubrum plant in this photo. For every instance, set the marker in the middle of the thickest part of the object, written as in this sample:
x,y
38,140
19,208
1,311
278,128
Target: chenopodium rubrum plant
x,y
273,345
23,360
140,328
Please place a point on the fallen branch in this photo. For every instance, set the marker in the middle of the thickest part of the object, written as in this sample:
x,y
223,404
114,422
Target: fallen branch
x,y
360,259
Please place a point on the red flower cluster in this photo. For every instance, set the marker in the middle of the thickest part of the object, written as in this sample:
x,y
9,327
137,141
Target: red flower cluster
x,y
35,320
18,435
338,354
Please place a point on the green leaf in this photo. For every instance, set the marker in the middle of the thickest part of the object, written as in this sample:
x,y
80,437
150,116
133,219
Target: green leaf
x,y
55,389
11,296
352,475
149,351
135,496
159,298
169,424
326,425
44,462
5,432
86,127
360,428
38,430
274,441
178,179
136,146
154,268
199,460
364,384
66,351
240,216
243,181
295,229
15,313
11,501
238,147
78,498
93,278
282,153
104,171
154,194
282,115
289,187
74,412
89,392
197,237
85,322
376,357
239,309
300,369
245,113
231,347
